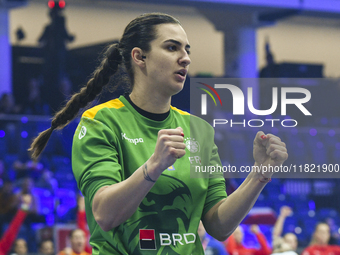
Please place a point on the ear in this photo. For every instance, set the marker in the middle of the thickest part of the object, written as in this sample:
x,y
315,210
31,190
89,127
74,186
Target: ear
x,y
137,56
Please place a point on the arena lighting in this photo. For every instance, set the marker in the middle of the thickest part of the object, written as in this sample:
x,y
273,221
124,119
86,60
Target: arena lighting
x,y
24,134
56,4
313,132
24,119
51,4
62,4
298,230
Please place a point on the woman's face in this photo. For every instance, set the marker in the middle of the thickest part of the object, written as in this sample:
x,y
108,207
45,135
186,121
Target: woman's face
x,y
291,239
322,234
167,63
20,247
78,241
47,247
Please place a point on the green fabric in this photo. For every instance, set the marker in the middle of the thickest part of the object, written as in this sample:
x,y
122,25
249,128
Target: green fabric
x,y
102,155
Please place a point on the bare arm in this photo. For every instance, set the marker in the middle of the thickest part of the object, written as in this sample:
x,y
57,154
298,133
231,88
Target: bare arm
x,y
222,219
113,205
285,211
225,216
264,248
11,233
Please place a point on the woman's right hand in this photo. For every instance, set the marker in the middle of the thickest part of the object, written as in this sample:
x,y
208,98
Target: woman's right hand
x,y
169,147
109,205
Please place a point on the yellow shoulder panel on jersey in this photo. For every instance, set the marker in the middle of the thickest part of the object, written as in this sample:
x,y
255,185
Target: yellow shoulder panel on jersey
x,y
180,111
115,103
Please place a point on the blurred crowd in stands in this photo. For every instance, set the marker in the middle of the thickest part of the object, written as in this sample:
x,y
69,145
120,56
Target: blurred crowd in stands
x,y
33,102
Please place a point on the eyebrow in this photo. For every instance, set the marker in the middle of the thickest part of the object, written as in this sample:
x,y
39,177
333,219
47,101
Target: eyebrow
x,y
177,42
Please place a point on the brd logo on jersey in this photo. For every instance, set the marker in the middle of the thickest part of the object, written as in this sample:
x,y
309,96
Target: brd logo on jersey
x,y
167,239
147,239
192,145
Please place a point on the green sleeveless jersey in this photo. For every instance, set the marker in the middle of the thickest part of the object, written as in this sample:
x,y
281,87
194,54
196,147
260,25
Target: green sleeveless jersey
x,y
112,141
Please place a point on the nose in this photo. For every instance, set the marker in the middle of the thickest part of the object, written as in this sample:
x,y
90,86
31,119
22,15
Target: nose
x,y
185,60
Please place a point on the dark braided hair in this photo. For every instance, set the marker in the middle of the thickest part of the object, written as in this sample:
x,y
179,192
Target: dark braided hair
x,y
138,33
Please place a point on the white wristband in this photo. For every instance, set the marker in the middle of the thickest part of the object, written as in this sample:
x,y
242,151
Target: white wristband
x,y
25,207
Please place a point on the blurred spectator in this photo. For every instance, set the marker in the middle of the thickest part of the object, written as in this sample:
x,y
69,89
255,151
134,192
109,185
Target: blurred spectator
x,y
33,215
335,236
9,203
7,104
26,189
82,223
26,168
66,87
46,233
289,238
78,243
10,234
46,181
210,245
281,247
319,242
234,244
20,247
8,200
33,104
3,174
46,247
71,215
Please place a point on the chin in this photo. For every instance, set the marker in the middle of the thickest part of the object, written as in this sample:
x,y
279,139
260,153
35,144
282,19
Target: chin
x,y
178,88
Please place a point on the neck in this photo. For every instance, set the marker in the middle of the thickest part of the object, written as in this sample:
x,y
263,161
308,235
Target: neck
x,y
150,101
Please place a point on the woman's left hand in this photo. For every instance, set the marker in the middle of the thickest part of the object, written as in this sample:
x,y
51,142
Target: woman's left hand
x,y
269,150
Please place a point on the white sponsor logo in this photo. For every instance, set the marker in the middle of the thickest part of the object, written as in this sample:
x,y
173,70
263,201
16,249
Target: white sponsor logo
x,y
195,159
192,145
167,239
134,141
82,132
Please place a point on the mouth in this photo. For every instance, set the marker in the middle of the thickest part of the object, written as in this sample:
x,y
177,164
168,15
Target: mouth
x,y
182,72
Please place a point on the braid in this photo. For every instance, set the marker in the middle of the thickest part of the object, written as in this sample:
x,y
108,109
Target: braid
x,y
101,76
140,32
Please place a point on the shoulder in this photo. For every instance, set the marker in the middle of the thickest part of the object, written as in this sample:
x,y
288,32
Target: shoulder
x,y
196,123
334,247
180,112
103,116
105,108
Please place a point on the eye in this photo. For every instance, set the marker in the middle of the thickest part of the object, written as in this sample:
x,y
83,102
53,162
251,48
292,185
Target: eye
x,y
172,48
